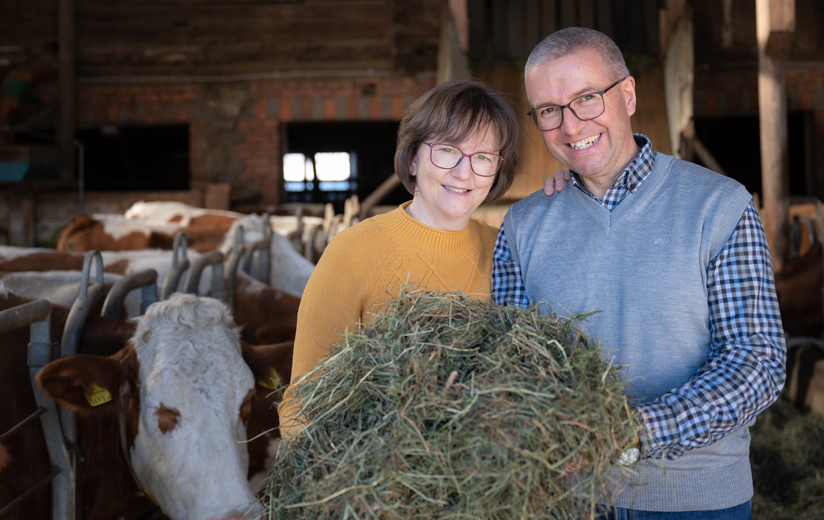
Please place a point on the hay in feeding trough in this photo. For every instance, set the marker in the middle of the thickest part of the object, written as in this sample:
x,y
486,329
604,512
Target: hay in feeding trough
x,y
446,407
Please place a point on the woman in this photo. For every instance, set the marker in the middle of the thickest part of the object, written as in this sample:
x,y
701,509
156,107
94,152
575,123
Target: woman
x,y
457,148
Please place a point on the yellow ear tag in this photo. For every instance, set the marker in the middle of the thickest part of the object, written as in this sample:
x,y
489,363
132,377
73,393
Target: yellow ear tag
x,y
96,395
272,382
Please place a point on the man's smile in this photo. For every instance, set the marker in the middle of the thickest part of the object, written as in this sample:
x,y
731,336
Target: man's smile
x,y
583,144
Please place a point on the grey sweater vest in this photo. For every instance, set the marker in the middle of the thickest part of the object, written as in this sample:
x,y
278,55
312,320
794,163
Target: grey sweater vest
x,y
643,266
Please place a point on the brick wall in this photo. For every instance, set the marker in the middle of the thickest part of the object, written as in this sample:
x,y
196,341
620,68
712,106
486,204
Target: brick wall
x,y
234,127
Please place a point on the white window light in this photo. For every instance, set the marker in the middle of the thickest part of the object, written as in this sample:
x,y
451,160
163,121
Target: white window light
x,y
333,166
294,167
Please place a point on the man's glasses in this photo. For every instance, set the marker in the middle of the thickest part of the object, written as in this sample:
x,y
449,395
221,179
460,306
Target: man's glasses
x,y
586,107
446,156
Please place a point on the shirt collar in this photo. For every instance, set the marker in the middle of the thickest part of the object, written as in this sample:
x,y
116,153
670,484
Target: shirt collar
x,y
636,171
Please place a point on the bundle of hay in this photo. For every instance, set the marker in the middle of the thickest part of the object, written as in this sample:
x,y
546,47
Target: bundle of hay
x,y
447,407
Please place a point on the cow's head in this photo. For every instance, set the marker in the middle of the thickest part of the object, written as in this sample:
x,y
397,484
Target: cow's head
x,y
189,396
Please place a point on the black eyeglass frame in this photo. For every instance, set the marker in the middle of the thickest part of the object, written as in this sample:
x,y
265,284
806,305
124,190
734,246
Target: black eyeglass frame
x,y
599,93
500,162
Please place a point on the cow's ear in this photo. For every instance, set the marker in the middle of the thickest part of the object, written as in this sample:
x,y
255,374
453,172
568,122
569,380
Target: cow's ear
x,y
84,383
271,364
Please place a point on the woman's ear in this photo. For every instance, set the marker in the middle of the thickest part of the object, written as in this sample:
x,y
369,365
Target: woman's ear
x,y
414,165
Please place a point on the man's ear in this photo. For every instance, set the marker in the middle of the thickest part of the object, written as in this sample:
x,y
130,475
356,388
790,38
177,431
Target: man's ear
x,y
628,91
84,383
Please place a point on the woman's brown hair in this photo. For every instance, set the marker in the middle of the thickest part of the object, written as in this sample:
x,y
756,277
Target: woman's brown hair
x,y
450,113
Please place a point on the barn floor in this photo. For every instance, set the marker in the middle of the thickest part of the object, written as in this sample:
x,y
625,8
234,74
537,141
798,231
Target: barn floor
x,y
787,456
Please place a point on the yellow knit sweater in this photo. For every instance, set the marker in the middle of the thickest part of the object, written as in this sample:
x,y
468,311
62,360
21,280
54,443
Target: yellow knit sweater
x,y
364,266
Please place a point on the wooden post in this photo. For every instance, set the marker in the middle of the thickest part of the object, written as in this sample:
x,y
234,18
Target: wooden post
x,y
775,24
65,132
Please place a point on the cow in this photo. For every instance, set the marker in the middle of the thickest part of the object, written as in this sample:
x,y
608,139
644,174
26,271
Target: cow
x,y
256,305
289,270
63,287
186,215
106,232
798,286
182,214
190,384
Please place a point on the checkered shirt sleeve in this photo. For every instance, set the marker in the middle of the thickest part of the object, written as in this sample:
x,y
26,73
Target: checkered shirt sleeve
x,y
744,373
507,281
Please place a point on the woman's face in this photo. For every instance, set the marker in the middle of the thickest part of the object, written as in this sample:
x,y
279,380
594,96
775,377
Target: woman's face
x,y
445,199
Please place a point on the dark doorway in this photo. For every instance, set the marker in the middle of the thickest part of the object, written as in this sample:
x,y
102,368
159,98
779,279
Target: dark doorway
x,y
371,149
735,143
123,158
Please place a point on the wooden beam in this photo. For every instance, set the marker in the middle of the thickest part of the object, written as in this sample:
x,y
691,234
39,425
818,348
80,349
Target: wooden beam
x,y
67,82
549,17
586,13
568,17
726,26
460,17
771,18
604,17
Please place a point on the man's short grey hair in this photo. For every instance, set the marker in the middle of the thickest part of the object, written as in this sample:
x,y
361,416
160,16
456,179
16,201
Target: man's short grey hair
x,y
575,39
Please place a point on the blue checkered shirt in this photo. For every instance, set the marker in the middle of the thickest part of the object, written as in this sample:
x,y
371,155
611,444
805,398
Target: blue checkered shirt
x,y
744,373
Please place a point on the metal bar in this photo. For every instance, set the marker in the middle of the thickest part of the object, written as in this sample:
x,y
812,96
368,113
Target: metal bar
x,y
76,321
84,277
179,266
215,259
14,503
21,424
64,490
230,273
118,292
23,315
258,269
64,484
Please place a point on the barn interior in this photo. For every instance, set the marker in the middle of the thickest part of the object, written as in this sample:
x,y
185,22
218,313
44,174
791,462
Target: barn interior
x,y
289,107
108,103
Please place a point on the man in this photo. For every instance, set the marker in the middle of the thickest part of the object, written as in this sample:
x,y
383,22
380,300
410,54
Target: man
x,y
675,259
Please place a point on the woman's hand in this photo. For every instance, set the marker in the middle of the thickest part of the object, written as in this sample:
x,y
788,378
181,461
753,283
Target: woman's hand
x,y
553,184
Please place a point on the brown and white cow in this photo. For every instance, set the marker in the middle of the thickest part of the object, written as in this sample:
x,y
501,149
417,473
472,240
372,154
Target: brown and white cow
x,y
267,314
191,386
288,270
105,232
182,214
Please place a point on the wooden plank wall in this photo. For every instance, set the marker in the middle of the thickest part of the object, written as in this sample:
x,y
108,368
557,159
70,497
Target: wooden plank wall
x,y
650,119
500,59
220,37
509,29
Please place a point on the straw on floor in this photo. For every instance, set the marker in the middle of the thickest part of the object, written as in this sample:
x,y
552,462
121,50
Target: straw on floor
x,y
446,407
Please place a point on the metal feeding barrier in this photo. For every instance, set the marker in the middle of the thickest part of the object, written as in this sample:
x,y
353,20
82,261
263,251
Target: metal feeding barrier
x,y
179,266
59,425
146,280
37,315
215,260
256,257
232,264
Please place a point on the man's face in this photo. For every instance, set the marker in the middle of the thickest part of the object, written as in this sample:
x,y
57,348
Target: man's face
x,y
597,149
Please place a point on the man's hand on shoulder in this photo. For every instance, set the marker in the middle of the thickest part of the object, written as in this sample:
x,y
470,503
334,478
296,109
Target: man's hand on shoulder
x,y
553,184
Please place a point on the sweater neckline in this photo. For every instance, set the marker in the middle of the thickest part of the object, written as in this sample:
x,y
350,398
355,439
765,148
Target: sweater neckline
x,y
631,202
412,234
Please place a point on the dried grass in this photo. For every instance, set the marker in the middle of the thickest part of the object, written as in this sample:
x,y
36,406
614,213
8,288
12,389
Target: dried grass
x,y
446,407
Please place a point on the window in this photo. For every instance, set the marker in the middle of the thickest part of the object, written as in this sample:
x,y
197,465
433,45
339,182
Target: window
x,y
329,161
334,172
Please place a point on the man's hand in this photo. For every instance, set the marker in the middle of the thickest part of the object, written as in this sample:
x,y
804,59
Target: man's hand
x,y
553,184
